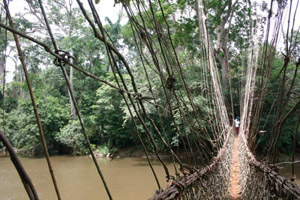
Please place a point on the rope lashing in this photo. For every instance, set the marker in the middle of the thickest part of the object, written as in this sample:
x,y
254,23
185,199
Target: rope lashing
x,y
64,56
170,83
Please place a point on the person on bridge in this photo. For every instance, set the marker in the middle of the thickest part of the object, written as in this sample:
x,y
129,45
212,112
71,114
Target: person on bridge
x,y
237,124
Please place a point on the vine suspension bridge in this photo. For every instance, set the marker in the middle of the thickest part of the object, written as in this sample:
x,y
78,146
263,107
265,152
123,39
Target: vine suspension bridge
x,y
233,171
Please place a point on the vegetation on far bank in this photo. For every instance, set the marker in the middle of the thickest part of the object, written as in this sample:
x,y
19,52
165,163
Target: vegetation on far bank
x,y
105,115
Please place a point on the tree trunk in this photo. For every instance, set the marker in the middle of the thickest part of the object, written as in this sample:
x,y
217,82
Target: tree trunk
x,y
224,69
1,68
222,38
73,111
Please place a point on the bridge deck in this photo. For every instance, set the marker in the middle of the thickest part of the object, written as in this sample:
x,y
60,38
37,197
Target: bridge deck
x,y
234,188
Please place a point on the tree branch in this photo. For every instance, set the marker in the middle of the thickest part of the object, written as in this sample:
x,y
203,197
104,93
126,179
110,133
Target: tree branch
x,y
59,57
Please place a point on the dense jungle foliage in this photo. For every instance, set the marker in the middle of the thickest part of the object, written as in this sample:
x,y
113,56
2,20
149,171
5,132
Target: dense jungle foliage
x,y
105,114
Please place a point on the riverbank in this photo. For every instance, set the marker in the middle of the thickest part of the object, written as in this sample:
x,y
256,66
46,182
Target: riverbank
x,y
135,152
128,152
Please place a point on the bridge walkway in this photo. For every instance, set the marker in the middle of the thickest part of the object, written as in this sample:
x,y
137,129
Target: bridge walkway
x,y
234,186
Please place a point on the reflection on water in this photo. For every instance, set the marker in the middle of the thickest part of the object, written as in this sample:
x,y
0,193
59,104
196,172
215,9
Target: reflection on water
x,y
77,178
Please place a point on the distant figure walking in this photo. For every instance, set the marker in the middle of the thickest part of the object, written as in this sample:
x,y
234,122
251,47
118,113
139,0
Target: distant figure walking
x,y
237,125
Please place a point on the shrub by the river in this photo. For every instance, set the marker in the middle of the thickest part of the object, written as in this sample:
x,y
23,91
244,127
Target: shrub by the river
x,y
72,138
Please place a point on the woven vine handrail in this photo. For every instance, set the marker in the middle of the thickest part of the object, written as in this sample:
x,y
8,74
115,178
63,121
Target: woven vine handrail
x,y
259,181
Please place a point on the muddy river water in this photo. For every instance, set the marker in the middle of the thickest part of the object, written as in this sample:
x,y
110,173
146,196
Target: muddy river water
x,y
77,178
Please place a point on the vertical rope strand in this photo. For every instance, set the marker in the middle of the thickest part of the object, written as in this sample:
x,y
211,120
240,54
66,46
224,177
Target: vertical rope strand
x,y
21,57
76,106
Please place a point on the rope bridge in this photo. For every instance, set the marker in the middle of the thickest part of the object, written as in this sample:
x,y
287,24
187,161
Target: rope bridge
x,y
210,182
214,140
256,180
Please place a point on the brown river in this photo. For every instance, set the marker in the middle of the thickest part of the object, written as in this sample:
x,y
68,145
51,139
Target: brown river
x,y
77,178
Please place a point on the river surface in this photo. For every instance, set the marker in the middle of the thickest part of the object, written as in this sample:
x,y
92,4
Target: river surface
x,y
286,171
77,178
